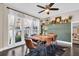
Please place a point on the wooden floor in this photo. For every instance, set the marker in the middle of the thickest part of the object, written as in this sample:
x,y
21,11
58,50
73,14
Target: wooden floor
x,y
75,49
67,52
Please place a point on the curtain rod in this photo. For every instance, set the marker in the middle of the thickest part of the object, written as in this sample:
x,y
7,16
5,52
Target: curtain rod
x,y
23,12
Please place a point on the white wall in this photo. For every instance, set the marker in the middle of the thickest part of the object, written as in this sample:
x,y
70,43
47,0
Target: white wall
x,y
3,26
74,14
1,14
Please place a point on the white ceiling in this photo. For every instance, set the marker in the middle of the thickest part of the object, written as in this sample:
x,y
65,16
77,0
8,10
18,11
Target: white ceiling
x,y
32,9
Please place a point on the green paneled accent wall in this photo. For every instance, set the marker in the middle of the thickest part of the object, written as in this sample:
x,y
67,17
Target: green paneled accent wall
x,y
63,31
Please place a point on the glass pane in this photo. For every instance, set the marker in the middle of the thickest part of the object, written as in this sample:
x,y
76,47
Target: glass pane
x,y
35,26
10,36
10,21
27,26
18,29
10,28
18,36
18,24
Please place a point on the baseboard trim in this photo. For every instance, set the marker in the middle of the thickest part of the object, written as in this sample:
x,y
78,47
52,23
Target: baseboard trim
x,y
64,43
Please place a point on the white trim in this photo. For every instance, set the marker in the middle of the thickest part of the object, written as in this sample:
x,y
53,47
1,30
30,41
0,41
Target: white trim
x,y
64,43
75,21
12,46
71,39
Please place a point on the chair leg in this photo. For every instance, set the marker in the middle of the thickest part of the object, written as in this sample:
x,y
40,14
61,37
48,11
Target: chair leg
x,y
27,51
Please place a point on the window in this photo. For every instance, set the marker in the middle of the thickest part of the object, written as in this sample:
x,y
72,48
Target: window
x,y
18,29
15,30
20,25
10,28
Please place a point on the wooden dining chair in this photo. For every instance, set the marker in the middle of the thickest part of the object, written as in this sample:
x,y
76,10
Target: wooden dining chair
x,y
29,44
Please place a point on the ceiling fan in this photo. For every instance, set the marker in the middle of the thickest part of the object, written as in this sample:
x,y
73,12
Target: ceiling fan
x,y
47,8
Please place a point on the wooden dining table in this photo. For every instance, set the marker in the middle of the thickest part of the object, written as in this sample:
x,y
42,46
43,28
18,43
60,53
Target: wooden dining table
x,y
49,38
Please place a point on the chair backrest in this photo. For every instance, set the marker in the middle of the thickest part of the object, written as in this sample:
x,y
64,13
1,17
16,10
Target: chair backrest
x,y
29,44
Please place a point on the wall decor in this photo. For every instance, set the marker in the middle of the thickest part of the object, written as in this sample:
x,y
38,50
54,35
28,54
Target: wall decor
x,y
66,20
58,19
69,20
70,17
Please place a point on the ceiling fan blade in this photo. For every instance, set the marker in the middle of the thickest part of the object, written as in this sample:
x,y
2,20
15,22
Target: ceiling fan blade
x,y
41,6
54,8
50,5
41,11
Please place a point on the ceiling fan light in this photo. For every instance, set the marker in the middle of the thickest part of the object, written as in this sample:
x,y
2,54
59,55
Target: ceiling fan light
x,y
47,10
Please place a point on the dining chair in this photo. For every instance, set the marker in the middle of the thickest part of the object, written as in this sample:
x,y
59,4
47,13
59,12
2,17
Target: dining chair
x,y
29,45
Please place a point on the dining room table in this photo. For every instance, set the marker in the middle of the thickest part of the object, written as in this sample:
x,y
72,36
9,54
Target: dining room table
x,y
49,38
